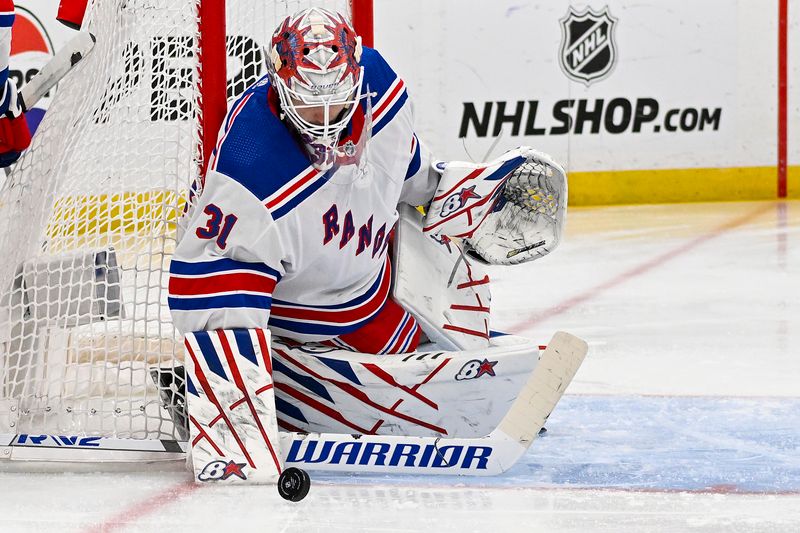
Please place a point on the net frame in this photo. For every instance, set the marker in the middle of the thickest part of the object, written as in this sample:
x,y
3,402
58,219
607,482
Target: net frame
x,y
83,283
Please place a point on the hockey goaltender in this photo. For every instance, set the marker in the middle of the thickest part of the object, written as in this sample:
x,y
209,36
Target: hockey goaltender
x,y
301,254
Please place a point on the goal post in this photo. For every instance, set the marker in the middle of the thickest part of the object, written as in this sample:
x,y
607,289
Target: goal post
x,y
91,213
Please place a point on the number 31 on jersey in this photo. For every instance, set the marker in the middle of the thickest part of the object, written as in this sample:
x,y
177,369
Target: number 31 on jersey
x,y
218,226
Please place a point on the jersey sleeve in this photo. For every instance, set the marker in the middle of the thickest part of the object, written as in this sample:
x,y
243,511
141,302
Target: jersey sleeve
x,y
227,262
393,111
421,179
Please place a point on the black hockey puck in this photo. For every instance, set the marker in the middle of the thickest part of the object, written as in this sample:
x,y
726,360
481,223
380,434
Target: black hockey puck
x,y
293,484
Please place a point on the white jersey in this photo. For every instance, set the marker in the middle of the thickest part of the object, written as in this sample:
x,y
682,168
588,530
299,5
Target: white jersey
x,y
275,242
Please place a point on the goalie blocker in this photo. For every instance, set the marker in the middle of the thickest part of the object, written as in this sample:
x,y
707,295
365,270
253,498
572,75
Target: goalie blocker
x,y
508,211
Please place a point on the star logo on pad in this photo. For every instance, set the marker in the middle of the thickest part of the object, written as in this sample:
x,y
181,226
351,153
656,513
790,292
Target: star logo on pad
x,y
487,367
467,193
475,368
220,470
234,469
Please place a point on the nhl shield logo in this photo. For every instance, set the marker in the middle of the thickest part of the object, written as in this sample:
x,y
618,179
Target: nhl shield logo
x,y
588,51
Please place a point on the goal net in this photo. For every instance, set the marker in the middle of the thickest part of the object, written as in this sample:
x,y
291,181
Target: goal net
x,y
90,216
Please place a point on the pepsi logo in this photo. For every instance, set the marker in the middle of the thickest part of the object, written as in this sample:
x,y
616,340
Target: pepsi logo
x,y
31,49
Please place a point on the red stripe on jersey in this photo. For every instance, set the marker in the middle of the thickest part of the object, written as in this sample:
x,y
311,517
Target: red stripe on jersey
x,y
408,329
388,100
340,316
303,180
221,283
376,334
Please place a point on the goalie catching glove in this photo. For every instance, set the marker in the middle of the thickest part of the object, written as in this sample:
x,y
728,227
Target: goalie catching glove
x,y
508,211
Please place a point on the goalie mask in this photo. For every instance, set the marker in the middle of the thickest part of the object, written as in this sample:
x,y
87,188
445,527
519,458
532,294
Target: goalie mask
x,y
314,67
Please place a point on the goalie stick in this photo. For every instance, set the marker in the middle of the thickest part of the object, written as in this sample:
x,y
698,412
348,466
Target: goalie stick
x,y
54,70
483,456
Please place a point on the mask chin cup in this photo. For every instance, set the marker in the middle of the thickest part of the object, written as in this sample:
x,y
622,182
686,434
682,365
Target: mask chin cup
x,y
323,152
327,129
332,153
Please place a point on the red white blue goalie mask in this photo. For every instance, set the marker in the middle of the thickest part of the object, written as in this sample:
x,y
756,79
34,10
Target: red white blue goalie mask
x,y
314,65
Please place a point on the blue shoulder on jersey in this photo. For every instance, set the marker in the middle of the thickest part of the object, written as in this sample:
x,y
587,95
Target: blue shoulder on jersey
x,y
390,90
258,151
378,75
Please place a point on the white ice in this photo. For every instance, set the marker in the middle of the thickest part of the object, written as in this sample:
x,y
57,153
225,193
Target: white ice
x,y
685,416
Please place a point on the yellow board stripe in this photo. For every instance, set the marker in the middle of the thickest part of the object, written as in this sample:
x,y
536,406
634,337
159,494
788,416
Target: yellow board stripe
x,y
793,185
678,185
127,212
122,213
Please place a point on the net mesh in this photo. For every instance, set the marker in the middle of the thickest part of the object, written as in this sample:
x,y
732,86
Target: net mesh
x,y
91,215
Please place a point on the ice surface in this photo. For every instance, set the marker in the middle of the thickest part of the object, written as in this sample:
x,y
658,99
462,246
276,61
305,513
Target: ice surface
x,y
685,416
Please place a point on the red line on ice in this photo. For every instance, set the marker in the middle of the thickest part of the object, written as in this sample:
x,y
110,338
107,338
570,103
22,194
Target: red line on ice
x,y
131,514
634,272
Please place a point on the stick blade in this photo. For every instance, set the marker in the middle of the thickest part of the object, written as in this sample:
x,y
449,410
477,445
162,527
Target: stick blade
x,y
537,399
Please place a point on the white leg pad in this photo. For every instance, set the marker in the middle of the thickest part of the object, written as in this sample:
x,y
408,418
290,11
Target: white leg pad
x,y
231,406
